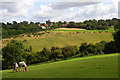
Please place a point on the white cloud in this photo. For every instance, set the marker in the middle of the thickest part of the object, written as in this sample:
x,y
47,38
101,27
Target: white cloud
x,y
64,11
98,11
66,5
76,11
12,10
46,12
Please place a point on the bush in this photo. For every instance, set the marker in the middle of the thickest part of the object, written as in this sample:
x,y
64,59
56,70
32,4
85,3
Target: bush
x,y
69,51
25,40
28,35
110,48
11,53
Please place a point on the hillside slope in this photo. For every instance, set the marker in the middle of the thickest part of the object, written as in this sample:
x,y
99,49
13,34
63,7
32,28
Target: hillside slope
x,y
100,66
61,39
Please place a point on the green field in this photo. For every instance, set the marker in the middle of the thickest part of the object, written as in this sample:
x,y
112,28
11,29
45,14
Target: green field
x,y
111,29
100,66
64,38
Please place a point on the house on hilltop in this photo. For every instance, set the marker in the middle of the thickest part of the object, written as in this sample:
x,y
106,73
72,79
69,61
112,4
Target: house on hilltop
x,y
46,25
63,25
43,27
38,25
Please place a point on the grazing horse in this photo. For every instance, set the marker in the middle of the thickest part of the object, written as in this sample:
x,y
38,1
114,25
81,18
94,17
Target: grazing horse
x,y
15,67
22,64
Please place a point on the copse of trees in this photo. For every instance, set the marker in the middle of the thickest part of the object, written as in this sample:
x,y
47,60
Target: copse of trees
x,y
13,29
114,46
117,36
93,24
12,53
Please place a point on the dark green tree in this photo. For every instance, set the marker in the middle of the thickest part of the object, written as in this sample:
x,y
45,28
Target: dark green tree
x,y
11,53
19,44
83,47
30,48
117,36
71,24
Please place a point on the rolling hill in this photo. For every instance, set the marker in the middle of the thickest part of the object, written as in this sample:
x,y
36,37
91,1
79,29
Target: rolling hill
x,y
100,66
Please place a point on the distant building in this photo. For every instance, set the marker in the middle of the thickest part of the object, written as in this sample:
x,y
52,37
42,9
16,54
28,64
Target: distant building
x,y
38,25
46,25
51,23
67,23
63,25
43,27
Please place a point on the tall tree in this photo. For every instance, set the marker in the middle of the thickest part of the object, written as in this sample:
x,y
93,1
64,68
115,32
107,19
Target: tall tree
x,y
14,22
11,53
48,22
117,36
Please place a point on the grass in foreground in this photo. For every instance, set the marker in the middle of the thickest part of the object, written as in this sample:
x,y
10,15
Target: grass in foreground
x,y
100,66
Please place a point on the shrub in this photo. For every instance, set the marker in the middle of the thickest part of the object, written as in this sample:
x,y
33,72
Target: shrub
x,y
25,40
11,53
28,35
69,51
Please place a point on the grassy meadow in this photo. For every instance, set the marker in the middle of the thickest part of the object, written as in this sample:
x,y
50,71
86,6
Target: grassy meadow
x,y
99,66
110,29
61,39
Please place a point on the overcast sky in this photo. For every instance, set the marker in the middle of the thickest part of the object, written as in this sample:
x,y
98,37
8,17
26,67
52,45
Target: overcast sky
x,y
40,11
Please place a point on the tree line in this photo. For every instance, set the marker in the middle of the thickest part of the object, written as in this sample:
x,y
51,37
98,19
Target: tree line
x,y
93,24
14,28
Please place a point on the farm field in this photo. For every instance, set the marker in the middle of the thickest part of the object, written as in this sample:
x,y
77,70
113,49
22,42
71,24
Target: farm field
x,y
69,29
99,66
61,39
111,29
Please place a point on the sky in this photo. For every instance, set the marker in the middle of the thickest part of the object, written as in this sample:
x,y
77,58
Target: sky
x,y
57,10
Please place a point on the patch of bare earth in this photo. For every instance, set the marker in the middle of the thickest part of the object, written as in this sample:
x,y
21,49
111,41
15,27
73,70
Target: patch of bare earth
x,y
70,29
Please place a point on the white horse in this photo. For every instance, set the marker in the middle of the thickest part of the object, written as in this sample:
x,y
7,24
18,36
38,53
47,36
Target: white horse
x,y
21,64
15,67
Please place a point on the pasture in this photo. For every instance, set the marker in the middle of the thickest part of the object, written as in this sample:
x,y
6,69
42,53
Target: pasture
x,y
69,29
99,66
110,29
60,39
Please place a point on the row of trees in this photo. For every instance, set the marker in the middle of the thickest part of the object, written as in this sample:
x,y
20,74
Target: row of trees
x,y
93,24
14,28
